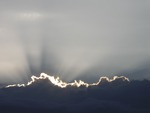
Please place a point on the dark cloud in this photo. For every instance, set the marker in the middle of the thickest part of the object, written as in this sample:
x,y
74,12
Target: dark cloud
x,y
119,96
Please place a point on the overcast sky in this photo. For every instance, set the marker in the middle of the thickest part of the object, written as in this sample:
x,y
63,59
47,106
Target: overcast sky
x,y
73,38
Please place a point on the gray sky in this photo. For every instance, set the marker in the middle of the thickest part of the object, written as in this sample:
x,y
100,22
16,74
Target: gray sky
x,y
73,38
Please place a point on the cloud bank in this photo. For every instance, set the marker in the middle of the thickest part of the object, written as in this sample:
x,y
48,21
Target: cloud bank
x,y
116,95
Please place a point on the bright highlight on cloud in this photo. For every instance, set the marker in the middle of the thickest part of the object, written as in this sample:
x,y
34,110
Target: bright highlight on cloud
x,y
61,84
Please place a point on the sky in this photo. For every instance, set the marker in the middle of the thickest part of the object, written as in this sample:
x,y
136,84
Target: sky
x,y
74,39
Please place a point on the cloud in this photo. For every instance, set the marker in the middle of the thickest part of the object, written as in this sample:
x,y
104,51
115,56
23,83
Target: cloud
x,y
117,96
61,84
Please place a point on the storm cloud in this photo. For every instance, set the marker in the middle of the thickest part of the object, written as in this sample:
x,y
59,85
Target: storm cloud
x,y
119,96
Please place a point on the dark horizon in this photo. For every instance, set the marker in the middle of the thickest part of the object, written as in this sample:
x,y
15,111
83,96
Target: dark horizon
x,y
117,96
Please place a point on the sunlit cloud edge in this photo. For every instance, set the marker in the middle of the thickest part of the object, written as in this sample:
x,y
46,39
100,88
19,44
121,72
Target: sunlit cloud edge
x,y
58,82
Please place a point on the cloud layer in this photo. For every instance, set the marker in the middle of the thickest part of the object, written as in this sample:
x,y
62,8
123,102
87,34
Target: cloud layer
x,y
117,96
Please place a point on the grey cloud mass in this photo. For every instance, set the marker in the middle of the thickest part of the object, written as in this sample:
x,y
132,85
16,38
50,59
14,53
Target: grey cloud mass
x,y
73,38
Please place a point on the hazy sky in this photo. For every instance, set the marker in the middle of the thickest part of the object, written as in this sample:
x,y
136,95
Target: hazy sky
x,y
73,38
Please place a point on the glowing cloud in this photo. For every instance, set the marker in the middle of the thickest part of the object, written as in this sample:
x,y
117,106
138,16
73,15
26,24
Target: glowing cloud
x,y
61,84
